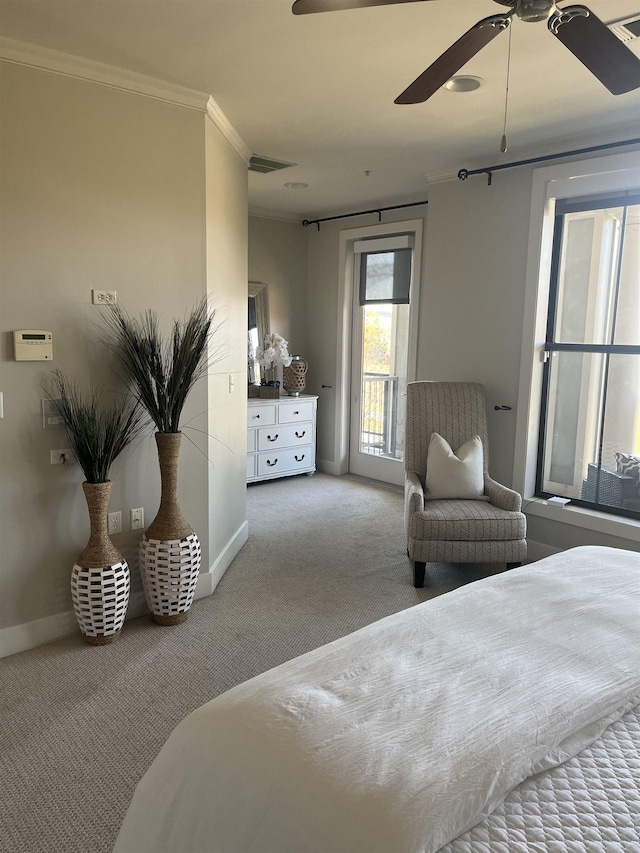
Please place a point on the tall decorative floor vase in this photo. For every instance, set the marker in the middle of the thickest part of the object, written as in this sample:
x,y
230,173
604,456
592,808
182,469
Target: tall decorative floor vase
x,y
170,551
100,578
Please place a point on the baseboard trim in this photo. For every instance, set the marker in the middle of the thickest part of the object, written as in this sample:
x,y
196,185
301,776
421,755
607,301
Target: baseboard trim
x,y
328,467
208,581
19,638
28,635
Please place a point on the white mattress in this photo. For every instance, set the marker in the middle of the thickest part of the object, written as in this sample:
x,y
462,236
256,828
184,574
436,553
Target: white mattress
x,y
406,734
589,803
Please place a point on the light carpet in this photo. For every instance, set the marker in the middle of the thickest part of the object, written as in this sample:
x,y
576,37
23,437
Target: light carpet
x,y
81,724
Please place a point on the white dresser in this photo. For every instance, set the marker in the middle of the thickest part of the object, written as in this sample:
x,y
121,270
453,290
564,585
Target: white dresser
x,y
281,437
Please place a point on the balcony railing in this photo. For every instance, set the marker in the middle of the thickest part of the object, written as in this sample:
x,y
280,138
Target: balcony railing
x,y
379,415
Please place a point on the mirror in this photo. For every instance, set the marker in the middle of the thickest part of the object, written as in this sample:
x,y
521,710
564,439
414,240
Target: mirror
x,y
258,327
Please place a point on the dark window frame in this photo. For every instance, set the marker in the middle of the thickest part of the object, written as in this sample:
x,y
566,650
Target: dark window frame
x,y
564,206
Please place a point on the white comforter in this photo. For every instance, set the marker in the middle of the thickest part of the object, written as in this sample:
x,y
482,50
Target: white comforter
x,y
406,733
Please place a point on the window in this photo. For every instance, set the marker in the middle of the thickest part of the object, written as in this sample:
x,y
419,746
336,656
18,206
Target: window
x,y
382,327
589,445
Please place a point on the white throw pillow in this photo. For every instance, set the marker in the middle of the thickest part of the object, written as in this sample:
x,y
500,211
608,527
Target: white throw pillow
x,y
454,475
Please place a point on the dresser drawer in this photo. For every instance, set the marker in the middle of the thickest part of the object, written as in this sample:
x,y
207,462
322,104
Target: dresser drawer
x,y
281,437
264,413
284,435
293,412
288,460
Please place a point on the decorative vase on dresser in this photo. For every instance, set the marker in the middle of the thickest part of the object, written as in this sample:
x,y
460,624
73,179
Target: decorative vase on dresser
x,y
100,577
170,552
281,437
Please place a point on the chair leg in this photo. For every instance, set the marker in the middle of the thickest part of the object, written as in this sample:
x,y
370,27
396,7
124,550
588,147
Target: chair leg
x,y
418,574
513,565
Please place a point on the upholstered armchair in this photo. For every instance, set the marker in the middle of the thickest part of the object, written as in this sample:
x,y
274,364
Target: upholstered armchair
x,y
490,529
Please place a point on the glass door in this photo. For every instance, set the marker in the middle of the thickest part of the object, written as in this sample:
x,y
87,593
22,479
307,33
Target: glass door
x,y
380,349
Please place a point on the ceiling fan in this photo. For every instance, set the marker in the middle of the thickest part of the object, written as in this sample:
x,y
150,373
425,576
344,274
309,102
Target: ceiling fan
x,y
579,30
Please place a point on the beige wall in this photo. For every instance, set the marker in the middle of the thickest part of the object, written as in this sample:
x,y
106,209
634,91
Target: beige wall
x,y
471,317
226,244
109,190
106,189
471,311
278,258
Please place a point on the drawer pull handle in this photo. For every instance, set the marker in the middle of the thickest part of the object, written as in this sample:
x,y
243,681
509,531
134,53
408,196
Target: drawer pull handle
x,y
256,416
275,437
296,413
301,458
271,464
301,434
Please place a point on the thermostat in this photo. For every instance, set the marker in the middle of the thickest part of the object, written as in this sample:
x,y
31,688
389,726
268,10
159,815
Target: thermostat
x,y
33,345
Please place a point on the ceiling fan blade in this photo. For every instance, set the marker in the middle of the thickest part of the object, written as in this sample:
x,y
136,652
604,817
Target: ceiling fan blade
x,y
454,58
307,7
593,43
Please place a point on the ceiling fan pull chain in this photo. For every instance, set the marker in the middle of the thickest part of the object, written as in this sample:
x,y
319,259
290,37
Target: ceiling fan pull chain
x,y
503,141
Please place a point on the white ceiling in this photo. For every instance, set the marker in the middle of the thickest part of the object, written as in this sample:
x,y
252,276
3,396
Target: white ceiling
x,y
318,90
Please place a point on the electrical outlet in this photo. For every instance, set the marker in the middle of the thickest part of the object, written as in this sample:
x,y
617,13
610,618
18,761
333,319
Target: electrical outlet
x,y
62,457
115,522
136,519
104,297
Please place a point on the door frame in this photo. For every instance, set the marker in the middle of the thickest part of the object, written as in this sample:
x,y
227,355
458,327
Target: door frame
x,y
344,324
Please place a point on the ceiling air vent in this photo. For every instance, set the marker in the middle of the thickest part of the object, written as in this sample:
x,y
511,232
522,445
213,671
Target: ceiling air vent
x,y
259,163
627,29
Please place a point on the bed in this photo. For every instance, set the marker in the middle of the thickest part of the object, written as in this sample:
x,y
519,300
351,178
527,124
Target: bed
x,y
412,734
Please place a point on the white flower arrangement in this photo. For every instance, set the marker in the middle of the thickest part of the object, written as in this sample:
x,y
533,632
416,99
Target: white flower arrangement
x,y
273,351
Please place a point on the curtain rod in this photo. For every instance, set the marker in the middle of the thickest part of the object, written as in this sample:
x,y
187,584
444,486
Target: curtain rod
x,y
378,210
463,174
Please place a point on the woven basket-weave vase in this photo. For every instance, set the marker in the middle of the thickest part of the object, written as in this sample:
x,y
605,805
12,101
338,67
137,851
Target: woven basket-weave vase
x,y
100,577
170,551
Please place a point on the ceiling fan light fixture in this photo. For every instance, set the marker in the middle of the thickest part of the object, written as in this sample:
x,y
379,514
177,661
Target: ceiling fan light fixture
x,y
534,10
463,83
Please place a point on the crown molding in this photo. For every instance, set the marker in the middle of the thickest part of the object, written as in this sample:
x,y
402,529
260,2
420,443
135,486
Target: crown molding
x,y
57,62
227,130
34,56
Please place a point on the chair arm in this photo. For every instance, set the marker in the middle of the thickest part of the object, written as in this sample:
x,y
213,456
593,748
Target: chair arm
x,y
413,495
501,496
